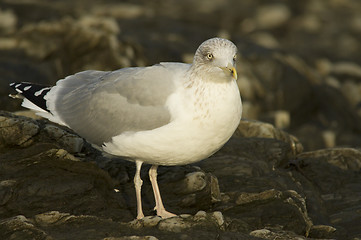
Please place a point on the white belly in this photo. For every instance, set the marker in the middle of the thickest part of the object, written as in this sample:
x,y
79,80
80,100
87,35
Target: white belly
x,y
197,131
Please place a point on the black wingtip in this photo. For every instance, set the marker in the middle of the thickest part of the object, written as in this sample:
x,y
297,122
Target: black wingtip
x,y
35,93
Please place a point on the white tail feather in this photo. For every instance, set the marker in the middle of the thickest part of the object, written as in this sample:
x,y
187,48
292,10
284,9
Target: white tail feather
x,y
41,112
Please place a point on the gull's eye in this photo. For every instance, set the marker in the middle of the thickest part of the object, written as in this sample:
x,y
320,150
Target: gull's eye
x,y
210,56
234,58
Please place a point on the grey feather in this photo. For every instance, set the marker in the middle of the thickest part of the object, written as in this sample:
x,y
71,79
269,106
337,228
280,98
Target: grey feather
x,y
99,105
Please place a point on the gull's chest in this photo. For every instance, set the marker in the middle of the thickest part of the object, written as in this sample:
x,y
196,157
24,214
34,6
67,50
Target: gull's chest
x,y
217,106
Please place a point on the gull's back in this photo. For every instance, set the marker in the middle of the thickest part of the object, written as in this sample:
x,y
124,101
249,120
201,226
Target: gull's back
x,y
99,105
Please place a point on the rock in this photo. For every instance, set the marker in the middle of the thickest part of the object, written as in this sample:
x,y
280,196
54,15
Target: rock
x,y
21,131
347,68
174,224
322,231
19,227
148,221
206,196
275,234
340,166
258,129
17,131
193,182
343,158
219,218
265,40
51,218
96,36
267,204
271,16
131,238
70,142
200,215
120,10
8,21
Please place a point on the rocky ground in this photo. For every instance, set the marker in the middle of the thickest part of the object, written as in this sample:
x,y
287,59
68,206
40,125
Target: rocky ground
x,y
293,174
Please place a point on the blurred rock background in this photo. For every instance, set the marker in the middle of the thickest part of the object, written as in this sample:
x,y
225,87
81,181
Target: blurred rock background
x,y
299,69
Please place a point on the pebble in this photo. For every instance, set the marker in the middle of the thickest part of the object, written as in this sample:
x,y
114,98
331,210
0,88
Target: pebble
x,y
49,218
174,224
194,182
271,16
200,215
218,216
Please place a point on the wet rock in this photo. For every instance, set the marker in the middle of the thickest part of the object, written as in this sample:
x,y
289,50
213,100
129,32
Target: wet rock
x,y
51,218
22,131
322,231
174,225
8,21
193,182
72,143
19,227
17,131
335,173
23,184
148,221
204,198
200,219
267,203
343,158
271,16
346,68
84,39
275,234
132,238
258,129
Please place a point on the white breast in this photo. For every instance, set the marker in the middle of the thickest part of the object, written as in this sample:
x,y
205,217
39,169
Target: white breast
x,y
203,119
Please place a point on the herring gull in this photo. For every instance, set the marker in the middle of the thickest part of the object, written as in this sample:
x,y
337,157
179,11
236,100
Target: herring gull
x,y
165,114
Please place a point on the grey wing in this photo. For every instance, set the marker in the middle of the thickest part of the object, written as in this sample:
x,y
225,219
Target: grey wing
x,y
99,105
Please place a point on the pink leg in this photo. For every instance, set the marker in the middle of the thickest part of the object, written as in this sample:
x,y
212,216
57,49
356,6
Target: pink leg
x,y
158,200
138,186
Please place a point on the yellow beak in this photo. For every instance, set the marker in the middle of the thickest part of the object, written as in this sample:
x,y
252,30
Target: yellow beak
x,y
230,69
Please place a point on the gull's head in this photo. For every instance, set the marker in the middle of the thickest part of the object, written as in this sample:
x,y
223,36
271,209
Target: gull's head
x,y
217,59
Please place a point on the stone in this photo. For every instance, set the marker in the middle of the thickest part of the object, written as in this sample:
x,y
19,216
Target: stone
x,y
194,182
248,128
200,215
17,131
277,234
271,16
174,224
51,218
131,238
346,68
71,142
218,216
8,21
19,227
147,221
322,231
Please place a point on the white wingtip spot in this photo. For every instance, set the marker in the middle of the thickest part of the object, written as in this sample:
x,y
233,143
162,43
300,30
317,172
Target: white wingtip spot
x,y
38,93
27,88
18,90
11,84
18,85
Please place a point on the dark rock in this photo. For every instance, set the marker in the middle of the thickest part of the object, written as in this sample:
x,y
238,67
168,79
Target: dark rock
x,y
322,231
272,208
18,131
19,227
